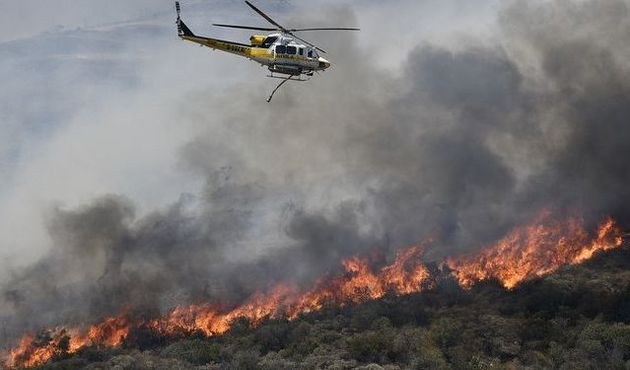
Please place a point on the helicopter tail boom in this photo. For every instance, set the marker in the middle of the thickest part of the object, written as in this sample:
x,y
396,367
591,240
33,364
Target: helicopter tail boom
x,y
228,46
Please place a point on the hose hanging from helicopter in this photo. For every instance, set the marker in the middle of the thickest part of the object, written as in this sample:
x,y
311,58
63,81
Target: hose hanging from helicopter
x,y
277,87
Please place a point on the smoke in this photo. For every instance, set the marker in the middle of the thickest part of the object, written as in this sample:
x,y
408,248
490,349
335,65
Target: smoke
x,y
464,143
586,78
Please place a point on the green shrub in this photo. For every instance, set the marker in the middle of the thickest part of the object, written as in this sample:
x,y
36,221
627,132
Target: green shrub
x,y
195,351
369,347
445,331
273,361
245,360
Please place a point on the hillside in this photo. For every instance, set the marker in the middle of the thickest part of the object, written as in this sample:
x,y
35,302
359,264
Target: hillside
x,y
577,318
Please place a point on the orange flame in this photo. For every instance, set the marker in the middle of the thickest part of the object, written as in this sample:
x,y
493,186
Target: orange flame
x,y
405,275
31,351
534,250
526,252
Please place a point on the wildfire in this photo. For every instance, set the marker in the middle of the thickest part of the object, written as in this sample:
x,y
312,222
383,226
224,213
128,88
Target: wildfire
x,y
526,252
535,250
33,351
405,275
211,321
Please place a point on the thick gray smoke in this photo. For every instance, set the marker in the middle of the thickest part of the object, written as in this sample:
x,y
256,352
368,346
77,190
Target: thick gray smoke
x,y
466,143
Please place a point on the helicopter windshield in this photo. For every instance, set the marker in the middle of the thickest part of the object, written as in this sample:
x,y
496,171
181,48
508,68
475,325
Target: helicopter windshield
x,y
269,41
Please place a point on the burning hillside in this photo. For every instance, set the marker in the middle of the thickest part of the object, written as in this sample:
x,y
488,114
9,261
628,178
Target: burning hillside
x,y
187,214
527,252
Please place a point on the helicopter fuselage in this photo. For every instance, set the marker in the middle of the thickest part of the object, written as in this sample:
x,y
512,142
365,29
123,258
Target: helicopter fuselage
x,y
276,51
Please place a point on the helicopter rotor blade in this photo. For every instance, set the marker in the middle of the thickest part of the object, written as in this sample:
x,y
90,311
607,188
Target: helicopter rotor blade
x,y
325,29
306,42
244,27
290,31
260,12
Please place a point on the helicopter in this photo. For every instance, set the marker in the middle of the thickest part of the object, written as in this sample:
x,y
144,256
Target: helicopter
x,y
282,52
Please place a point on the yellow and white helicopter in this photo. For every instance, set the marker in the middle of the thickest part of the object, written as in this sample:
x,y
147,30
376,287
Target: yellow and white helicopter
x,y
278,51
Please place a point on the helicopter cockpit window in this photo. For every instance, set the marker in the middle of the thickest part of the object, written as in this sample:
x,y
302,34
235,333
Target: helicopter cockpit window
x,y
310,53
269,41
281,49
291,50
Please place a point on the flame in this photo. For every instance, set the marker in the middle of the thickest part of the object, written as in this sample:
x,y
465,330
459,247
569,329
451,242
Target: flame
x,y
526,252
404,276
33,351
211,321
29,353
111,332
535,250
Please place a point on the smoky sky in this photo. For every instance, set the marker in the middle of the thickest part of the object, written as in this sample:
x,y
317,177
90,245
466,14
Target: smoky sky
x,y
464,143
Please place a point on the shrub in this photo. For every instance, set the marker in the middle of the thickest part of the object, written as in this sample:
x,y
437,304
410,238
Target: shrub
x,y
273,361
445,332
195,351
272,336
369,346
245,360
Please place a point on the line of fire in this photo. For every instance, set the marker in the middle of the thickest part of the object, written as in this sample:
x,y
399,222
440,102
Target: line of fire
x,y
534,250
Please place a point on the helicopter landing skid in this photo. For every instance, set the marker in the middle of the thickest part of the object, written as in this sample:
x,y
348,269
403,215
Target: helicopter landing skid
x,y
291,78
